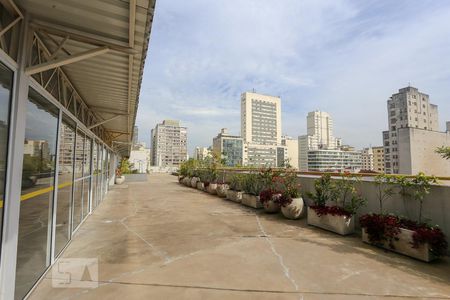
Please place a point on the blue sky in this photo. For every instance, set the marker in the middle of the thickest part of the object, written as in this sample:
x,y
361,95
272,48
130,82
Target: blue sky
x,y
340,56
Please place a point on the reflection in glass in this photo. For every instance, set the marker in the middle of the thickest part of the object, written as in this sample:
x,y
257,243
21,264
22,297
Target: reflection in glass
x,y
33,252
94,174
86,172
65,177
78,188
6,78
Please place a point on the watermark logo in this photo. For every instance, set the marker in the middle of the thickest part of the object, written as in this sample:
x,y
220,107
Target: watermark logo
x,y
75,273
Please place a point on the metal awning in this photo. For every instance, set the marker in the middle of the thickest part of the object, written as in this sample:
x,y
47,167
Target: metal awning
x,y
101,46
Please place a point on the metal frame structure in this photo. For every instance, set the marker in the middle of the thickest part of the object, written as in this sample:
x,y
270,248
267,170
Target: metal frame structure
x,y
53,58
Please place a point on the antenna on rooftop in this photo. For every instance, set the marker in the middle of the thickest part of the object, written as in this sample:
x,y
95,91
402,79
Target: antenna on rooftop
x,y
254,90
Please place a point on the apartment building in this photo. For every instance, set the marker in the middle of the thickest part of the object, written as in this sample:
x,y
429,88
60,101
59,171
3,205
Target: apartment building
x,y
261,129
229,147
169,144
291,149
413,135
378,159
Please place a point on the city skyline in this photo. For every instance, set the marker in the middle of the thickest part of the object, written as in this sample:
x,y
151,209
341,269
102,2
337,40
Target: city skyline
x,y
331,66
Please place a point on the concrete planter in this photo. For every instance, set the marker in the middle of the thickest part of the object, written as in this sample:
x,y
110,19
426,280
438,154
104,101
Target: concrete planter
x,y
271,207
404,245
212,188
194,181
251,200
187,181
222,190
339,224
235,196
119,179
200,186
295,210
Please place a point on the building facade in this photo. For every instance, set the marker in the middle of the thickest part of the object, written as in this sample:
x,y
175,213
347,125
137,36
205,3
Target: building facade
x,y
140,159
230,148
408,108
367,159
201,153
291,145
260,129
169,144
378,159
319,149
417,151
334,161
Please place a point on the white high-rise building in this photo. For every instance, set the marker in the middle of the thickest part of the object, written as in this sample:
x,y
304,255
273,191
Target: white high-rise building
x,y
169,144
261,129
320,151
319,137
201,153
367,159
407,108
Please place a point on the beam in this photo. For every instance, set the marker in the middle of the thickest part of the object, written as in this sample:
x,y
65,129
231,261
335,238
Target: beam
x,y
82,37
66,60
104,121
11,7
10,25
60,46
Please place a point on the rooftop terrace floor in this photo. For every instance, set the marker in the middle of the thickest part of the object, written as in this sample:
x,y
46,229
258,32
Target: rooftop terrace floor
x,y
161,240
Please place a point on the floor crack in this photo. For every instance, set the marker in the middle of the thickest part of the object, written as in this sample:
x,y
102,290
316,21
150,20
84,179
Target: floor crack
x,y
274,251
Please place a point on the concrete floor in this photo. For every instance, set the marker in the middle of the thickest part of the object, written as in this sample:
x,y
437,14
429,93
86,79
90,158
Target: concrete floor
x,y
161,240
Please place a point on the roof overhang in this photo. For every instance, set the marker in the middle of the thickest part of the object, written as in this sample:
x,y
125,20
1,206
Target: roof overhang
x,y
101,46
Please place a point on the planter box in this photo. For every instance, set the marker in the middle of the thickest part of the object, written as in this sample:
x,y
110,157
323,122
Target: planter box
x,y
235,196
200,186
338,224
212,187
119,179
251,200
222,190
271,207
404,245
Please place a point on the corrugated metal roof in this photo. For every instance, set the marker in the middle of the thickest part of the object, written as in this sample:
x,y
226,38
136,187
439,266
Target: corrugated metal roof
x,y
108,83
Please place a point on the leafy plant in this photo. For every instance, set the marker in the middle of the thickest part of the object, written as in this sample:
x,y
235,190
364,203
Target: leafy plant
x,y
348,196
266,195
237,182
385,188
325,191
444,152
125,166
253,184
421,185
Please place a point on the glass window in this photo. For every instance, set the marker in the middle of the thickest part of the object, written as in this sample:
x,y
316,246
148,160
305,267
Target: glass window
x,y
78,185
33,250
65,182
94,174
6,79
86,172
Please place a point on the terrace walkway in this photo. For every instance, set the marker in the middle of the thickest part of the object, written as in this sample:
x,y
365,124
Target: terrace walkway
x,y
161,240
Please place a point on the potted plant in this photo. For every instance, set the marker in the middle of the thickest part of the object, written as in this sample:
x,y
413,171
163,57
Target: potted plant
x,y
409,237
273,183
234,193
212,175
292,205
335,204
222,186
119,177
253,186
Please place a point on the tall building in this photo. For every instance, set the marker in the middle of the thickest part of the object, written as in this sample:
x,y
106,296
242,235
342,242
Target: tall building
x,y
367,159
140,158
291,145
135,135
230,147
378,159
260,128
201,153
169,144
413,135
319,150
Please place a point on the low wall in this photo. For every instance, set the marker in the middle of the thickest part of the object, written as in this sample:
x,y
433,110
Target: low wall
x,y
436,206
135,177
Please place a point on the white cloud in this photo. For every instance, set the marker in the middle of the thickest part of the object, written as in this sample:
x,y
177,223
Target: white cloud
x,y
345,57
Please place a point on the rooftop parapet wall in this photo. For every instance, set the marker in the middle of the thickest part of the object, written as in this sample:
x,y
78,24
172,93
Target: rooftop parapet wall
x,y
436,206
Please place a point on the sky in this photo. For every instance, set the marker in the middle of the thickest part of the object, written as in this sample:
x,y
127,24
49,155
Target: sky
x,y
345,57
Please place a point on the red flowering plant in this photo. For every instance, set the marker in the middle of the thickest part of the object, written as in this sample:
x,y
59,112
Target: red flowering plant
x,y
288,187
385,228
266,195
